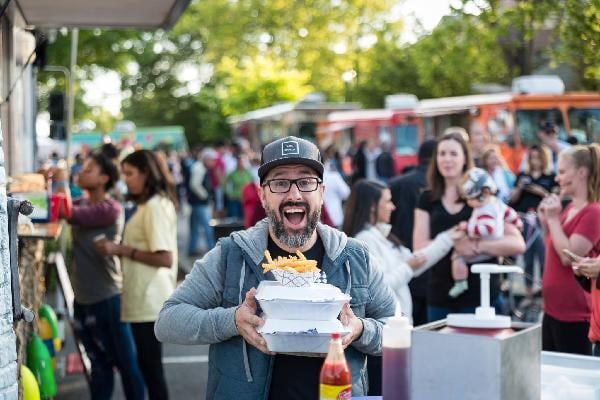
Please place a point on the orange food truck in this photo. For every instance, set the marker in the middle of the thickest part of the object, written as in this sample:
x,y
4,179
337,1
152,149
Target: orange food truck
x,y
511,119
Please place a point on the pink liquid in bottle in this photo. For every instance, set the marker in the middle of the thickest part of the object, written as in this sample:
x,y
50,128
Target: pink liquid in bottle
x,y
396,373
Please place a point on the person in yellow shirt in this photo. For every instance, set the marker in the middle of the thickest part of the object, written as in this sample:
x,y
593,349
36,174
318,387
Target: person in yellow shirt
x,y
149,258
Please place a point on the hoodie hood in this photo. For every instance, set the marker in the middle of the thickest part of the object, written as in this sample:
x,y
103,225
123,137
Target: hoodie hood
x,y
253,241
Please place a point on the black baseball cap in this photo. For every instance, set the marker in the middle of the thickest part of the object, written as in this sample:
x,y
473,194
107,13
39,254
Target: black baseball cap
x,y
547,126
290,150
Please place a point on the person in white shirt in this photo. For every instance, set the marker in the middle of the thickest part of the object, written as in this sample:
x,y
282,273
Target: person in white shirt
x,y
367,217
372,151
336,193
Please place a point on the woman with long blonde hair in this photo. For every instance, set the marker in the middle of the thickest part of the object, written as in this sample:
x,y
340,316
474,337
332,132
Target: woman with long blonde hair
x,y
533,184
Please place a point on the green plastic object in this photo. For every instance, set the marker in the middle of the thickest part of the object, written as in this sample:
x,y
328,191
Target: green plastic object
x,y
47,312
40,364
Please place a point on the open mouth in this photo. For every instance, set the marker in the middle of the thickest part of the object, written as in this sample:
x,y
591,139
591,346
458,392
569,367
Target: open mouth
x,y
294,215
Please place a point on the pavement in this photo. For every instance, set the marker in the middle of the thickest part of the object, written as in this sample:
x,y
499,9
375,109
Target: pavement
x,y
186,367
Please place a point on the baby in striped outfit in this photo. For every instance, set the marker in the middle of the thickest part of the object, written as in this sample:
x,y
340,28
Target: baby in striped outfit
x,y
486,222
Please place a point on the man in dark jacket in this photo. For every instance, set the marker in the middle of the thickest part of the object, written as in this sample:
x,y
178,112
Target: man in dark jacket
x,y
384,165
405,192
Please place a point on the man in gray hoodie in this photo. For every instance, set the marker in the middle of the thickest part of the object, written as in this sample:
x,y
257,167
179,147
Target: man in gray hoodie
x,y
215,304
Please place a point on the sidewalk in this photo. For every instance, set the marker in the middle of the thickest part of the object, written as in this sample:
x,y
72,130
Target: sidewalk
x,y
186,369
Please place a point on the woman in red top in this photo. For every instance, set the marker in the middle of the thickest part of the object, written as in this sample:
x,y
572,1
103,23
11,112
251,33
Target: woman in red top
x,y
567,307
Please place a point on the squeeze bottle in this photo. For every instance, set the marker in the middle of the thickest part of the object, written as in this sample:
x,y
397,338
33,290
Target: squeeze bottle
x,y
396,357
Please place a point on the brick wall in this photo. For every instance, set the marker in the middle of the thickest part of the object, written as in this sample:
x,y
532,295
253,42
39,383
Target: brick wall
x,y
8,352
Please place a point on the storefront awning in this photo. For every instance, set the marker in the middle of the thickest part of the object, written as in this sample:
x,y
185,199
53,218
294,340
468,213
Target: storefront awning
x,y
142,14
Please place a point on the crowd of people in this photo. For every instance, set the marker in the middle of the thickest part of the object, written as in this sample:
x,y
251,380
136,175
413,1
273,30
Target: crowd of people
x,y
384,238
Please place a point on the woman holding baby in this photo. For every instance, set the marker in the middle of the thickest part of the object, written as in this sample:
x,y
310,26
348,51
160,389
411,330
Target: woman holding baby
x,y
440,208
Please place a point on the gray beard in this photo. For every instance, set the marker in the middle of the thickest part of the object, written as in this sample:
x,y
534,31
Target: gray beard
x,y
297,238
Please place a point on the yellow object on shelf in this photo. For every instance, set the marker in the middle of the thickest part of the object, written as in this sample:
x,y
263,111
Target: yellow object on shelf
x,y
31,390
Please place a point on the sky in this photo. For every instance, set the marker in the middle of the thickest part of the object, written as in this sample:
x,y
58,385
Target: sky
x,y
428,13
104,89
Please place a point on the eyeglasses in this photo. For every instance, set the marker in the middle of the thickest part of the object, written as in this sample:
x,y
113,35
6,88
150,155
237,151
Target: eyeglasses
x,y
284,185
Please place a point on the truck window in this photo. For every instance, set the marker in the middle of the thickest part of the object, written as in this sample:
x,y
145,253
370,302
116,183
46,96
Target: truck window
x,y
406,139
585,124
529,120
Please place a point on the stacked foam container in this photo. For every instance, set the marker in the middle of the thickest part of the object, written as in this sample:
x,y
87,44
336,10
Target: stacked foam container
x,y
300,319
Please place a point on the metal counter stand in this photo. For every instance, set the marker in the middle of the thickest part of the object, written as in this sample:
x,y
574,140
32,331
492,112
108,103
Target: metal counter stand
x,y
563,376
464,366
480,356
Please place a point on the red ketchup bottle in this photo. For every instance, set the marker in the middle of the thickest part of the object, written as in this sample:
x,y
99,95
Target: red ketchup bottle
x,y
336,380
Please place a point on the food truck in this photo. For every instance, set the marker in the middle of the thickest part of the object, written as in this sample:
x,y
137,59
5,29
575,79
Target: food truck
x,y
301,119
511,118
397,124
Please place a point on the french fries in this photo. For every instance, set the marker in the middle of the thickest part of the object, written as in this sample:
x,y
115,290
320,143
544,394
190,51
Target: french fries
x,y
295,264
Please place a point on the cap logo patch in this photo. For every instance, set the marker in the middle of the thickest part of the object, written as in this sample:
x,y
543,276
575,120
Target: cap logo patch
x,y
290,148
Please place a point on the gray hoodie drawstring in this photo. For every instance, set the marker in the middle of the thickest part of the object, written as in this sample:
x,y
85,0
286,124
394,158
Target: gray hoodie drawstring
x,y
244,348
246,362
242,278
349,285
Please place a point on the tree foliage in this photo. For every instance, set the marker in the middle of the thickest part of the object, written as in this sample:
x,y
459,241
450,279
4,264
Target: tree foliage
x,y
228,57
259,82
579,44
437,64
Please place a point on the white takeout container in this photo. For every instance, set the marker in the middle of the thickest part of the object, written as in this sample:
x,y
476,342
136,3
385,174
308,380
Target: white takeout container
x,y
296,336
321,302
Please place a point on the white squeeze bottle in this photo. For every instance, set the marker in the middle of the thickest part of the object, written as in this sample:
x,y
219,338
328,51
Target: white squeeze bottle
x,y
396,357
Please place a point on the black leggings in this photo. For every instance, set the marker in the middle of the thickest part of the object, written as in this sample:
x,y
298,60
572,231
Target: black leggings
x,y
149,355
565,337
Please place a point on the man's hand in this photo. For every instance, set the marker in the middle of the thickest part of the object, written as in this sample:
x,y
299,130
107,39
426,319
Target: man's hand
x,y
247,322
352,322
